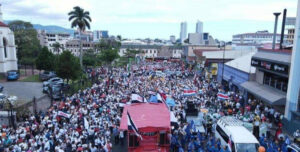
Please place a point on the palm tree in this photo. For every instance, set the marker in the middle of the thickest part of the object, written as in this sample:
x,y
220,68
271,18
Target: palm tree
x,y
56,47
80,19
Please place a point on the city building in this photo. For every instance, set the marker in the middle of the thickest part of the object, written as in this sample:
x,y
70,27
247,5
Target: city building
x,y
74,46
271,77
183,31
154,51
47,39
199,27
258,37
208,39
195,39
290,36
236,71
84,36
172,39
8,54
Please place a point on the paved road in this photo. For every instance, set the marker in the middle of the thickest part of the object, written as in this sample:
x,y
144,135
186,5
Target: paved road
x,y
23,90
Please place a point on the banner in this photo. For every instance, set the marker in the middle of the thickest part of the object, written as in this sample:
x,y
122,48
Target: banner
x,y
63,114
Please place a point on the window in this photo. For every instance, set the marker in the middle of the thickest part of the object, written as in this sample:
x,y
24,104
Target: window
x,y
275,81
5,47
150,51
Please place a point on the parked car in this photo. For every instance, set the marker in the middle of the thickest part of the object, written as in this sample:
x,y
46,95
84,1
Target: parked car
x,y
294,147
1,88
12,75
50,82
46,75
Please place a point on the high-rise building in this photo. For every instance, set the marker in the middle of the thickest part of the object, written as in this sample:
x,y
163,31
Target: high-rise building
x,y
172,39
183,31
199,27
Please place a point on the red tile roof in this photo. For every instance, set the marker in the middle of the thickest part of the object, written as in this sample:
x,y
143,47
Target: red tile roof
x,y
3,25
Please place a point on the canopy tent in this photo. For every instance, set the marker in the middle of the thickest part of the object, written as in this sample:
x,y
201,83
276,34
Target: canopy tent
x,y
148,117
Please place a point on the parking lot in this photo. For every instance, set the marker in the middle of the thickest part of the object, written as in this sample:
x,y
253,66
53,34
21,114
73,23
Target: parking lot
x,y
23,90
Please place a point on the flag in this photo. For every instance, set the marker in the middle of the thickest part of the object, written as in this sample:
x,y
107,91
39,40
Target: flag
x,y
86,124
132,126
63,114
223,96
189,92
136,98
159,98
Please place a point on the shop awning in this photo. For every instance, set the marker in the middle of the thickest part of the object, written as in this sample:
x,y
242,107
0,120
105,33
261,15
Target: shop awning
x,y
265,93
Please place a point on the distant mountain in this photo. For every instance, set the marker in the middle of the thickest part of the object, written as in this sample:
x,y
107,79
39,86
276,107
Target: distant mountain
x,y
50,28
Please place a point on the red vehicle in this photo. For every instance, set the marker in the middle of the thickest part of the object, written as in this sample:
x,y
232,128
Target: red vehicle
x,y
153,123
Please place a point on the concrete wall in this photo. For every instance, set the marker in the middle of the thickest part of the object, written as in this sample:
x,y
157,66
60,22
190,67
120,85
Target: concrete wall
x,y
259,76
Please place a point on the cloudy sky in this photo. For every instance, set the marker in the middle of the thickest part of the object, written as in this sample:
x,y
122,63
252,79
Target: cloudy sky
x,y
156,18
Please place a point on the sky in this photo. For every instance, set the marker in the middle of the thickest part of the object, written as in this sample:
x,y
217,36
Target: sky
x,y
156,18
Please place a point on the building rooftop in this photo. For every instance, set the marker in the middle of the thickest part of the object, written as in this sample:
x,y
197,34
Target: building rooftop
x,y
232,54
273,56
243,63
3,25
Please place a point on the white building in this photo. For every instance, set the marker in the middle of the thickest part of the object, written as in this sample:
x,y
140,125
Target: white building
x,y
260,37
8,56
74,47
172,39
47,39
195,38
199,27
183,31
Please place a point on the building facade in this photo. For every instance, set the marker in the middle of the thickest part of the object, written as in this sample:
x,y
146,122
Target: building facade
x,y
74,46
195,39
172,39
199,27
183,31
154,51
8,54
47,39
259,37
290,36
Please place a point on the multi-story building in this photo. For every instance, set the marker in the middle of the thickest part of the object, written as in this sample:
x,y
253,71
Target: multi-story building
x,y
47,39
195,39
154,51
290,35
183,31
74,46
97,35
172,39
259,37
199,27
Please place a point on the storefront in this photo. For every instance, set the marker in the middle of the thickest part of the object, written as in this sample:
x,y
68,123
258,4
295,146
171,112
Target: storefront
x,y
236,72
271,78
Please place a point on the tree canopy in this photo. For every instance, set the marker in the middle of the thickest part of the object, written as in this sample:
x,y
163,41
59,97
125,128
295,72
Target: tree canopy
x,y
45,60
28,45
68,66
108,55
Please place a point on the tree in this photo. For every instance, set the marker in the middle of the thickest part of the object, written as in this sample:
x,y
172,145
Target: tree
x,y
68,66
119,37
186,41
109,55
80,19
57,47
89,58
28,45
45,60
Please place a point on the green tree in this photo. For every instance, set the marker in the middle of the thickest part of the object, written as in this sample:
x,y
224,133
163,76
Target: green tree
x,y
45,60
106,44
108,55
119,37
57,46
89,58
28,45
80,19
68,66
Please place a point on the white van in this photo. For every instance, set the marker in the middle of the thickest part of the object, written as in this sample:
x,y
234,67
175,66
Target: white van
x,y
241,139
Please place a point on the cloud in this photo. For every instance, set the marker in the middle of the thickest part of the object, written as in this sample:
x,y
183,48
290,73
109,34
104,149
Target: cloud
x,y
111,13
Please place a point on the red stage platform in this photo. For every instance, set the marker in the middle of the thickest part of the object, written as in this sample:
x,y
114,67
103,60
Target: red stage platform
x,y
153,123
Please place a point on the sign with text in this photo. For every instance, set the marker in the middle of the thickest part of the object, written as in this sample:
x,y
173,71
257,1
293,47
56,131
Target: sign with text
x,y
275,67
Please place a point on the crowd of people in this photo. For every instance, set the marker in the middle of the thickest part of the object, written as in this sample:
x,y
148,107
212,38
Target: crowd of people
x,y
89,120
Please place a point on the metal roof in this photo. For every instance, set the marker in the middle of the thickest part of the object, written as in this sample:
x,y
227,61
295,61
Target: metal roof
x,y
273,57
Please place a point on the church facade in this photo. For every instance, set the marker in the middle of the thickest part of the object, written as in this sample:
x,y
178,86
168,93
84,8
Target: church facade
x,y
8,54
